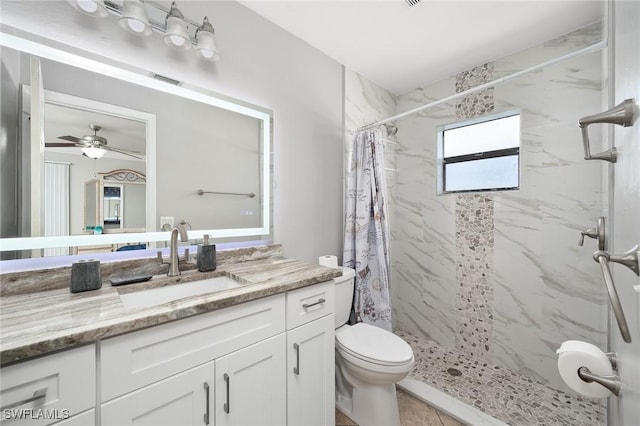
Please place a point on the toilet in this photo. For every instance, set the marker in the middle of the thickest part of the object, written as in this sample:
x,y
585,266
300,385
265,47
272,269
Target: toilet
x,y
369,362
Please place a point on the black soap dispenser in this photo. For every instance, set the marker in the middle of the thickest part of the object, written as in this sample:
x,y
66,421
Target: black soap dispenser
x,y
206,255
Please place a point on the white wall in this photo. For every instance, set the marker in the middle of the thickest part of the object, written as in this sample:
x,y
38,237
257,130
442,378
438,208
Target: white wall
x,y
625,209
261,64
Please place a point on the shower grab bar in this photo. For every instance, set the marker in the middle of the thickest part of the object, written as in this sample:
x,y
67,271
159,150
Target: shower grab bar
x,y
250,194
621,114
630,260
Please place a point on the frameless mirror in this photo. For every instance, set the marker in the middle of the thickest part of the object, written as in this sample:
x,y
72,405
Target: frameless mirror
x,y
205,158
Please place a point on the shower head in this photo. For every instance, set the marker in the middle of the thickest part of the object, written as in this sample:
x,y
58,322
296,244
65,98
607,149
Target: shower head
x,y
391,129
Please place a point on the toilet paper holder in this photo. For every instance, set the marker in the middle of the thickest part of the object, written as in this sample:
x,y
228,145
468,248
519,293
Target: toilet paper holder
x,y
612,382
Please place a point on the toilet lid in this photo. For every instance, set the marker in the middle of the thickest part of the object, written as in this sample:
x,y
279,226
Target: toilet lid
x,y
374,344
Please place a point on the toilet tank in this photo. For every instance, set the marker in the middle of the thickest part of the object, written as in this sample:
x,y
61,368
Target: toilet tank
x,y
344,295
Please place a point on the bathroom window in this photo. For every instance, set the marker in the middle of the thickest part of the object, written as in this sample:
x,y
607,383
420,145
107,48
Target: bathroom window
x,y
480,154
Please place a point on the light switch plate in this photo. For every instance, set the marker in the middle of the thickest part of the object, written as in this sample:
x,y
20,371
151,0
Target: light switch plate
x,y
166,220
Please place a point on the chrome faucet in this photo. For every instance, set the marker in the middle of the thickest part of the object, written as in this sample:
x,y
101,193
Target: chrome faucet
x,y
174,268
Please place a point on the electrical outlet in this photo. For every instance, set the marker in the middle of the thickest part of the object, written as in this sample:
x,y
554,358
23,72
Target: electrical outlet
x,y
166,220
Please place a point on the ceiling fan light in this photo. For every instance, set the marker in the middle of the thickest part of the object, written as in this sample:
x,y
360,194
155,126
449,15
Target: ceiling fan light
x,y
207,48
93,152
176,34
90,7
134,18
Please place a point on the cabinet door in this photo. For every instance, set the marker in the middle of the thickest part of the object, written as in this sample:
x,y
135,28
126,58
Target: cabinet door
x,y
181,400
88,418
251,385
310,373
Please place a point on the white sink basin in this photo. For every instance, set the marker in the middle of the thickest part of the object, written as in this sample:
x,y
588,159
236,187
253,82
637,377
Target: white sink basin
x,y
158,296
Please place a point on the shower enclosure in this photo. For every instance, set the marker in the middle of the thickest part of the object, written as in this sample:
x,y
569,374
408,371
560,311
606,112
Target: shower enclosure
x,y
487,285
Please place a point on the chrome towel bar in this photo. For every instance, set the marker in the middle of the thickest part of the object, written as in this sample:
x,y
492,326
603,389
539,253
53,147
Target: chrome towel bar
x,y
201,192
628,259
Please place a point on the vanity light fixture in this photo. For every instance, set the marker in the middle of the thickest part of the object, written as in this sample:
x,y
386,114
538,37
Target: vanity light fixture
x,y
90,7
176,29
143,17
94,152
207,47
134,18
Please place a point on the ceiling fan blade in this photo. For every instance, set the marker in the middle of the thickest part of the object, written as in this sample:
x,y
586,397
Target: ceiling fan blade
x,y
61,144
108,148
70,138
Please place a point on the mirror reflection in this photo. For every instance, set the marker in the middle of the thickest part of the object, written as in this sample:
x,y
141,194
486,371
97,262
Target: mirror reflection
x,y
178,143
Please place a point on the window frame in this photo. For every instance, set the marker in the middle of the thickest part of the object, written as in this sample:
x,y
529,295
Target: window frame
x,y
442,161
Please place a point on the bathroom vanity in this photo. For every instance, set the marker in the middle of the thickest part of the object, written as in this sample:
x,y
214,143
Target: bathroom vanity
x,y
258,353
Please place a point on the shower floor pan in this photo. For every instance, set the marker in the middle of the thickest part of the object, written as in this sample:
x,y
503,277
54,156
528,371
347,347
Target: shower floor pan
x,y
510,397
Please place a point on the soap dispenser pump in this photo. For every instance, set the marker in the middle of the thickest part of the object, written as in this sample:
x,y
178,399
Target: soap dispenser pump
x,y
206,255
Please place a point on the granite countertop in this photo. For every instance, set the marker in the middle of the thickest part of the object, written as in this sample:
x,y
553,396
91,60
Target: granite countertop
x,y
37,323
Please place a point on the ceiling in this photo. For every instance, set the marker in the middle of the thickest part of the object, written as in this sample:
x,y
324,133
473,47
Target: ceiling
x,y
119,132
401,48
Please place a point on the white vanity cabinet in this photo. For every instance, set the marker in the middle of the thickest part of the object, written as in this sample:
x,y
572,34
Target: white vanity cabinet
x,y
311,356
184,399
251,385
153,375
45,390
268,361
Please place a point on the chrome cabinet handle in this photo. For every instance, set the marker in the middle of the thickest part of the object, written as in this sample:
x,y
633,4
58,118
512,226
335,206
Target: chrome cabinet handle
x,y
227,405
206,413
296,369
308,305
37,395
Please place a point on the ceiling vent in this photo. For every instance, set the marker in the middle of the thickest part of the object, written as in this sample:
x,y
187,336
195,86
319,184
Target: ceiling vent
x,y
412,3
167,79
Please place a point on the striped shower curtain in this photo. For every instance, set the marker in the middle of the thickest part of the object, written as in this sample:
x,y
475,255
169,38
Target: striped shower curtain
x,y
366,240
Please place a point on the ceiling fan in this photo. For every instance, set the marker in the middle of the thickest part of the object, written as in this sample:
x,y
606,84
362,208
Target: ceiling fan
x,y
93,146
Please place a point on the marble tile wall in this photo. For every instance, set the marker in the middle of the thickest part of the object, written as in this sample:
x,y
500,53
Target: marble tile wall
x,y
366,103
542,288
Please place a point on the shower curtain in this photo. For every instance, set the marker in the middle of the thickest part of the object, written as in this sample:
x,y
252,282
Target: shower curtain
x,y
366,240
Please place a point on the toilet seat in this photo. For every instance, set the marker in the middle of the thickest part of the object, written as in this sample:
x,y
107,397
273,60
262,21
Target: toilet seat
x,y
373,345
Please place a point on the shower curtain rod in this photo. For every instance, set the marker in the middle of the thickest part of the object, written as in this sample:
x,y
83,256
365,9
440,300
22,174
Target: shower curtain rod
x,y
594,47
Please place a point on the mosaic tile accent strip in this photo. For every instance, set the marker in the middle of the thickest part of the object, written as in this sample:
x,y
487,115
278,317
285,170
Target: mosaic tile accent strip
x,y
499,392
479,103
474,249
474,234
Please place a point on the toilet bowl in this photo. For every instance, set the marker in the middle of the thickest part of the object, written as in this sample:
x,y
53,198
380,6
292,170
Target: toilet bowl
x,y
369,362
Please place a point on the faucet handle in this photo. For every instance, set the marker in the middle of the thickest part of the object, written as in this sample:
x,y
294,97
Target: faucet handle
x,y
186,255
597,233
159,255
591,233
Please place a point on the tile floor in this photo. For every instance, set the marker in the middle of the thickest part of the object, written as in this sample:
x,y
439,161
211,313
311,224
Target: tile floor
x,y
413,412
499,392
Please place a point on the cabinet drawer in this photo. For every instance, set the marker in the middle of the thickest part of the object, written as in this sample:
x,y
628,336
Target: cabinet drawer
x,y
310,303
67,381
137,359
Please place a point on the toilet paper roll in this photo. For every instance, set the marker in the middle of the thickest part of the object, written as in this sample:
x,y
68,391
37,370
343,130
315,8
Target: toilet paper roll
x,y
574,354
328,260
